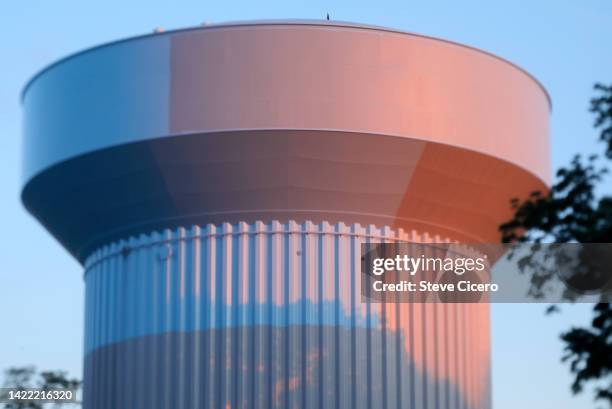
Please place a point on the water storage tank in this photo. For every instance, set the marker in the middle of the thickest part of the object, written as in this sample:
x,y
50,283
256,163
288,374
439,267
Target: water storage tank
x,y
217,182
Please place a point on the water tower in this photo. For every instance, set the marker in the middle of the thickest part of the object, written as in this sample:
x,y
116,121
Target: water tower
x,y
216,184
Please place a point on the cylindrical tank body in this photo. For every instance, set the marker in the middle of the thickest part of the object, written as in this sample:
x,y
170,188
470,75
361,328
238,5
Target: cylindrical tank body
x,y
269,315
217,184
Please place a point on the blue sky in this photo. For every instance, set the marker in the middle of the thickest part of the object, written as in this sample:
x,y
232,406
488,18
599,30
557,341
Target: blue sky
x,y
565,44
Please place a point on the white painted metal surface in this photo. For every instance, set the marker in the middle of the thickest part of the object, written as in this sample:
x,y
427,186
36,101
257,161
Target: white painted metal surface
x,y
270,316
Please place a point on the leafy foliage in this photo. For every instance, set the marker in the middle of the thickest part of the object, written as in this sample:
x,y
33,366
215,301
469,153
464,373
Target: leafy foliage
x,y
568,213
601,106
589,351
571,212
20,378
